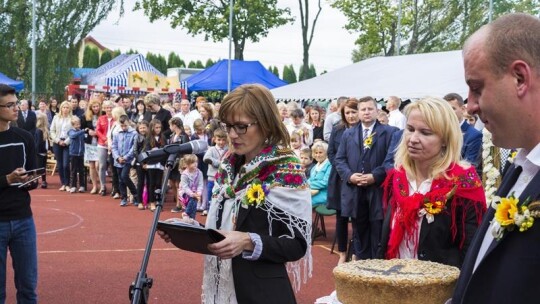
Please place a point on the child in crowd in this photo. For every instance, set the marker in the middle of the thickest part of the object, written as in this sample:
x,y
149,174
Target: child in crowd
x,y
296,143
41,137
76,154
199,128
188,131
306,161
142,174
177,137
320,173
191,186
213,158
155,140
297,124
123,153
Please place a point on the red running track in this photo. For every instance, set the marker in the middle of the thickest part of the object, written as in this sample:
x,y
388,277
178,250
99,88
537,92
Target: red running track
x,y
90,250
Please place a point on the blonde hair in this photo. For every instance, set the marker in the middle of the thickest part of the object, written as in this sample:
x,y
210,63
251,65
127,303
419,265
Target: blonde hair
x,y
441,119
117,112
65,103
89,114
75,119
258,103
43,124
189,159
320,145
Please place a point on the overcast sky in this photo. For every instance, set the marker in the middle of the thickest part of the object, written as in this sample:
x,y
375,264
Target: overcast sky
x,y
331,47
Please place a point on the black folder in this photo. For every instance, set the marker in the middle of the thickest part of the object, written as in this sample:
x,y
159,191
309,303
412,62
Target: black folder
x,y
190,237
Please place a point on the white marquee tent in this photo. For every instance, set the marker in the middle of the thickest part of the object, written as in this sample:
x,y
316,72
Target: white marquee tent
x,y
407,76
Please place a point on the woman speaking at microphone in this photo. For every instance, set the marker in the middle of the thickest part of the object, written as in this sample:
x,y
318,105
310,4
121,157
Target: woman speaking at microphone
x,y
261,204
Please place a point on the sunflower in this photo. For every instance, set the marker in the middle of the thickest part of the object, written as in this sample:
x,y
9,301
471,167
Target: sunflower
x,y
506,211
434,208
255,194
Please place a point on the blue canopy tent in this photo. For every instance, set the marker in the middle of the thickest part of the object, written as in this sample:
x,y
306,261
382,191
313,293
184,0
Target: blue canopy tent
x,y
18,85
214,78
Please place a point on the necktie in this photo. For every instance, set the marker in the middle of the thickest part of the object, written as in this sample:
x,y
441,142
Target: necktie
x,y
366,131
24,115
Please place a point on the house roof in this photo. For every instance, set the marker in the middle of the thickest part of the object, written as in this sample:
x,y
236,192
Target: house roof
x,y
95,42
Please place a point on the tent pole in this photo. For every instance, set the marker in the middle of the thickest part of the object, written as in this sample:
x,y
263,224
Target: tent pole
x,y
231,6
34,52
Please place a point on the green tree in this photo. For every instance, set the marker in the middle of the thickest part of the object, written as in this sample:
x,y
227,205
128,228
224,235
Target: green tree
x,y
307,37
90,57
106,56
289,75
209,63
192,64
174,61
252,19
61,25
275,71
132,51
426,26
158,61
116,53
199,64
312,71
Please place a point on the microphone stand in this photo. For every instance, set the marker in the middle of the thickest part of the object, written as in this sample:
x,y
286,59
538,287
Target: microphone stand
x,y
139,290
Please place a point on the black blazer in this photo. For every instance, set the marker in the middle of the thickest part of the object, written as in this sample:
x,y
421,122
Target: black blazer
x,y
509,271
30,123
162,115
266,280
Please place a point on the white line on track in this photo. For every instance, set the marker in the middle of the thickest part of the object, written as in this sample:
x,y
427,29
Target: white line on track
x,y
105,250
79,221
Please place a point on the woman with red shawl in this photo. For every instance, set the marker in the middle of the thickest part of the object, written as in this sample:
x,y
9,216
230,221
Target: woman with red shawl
x,y
433,202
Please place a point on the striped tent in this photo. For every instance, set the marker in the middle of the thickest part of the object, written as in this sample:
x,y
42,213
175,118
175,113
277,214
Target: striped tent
x,y
115,73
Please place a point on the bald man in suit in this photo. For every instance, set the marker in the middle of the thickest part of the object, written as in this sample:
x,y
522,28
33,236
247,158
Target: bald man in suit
x,y
502,70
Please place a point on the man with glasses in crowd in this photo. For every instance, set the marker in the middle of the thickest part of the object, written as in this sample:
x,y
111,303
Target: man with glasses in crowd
x,y
17,228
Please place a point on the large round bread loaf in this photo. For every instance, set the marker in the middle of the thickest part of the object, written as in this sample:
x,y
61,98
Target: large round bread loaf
x,y
394,281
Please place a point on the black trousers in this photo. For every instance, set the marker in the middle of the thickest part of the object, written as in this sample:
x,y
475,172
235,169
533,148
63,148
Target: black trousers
x,y
77,167
42,163
154,182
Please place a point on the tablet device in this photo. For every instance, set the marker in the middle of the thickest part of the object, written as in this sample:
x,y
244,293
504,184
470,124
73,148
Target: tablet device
x,y
190,237
28,181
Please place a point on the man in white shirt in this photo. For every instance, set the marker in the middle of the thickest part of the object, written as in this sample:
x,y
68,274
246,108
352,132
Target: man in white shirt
x,y
187,116
395,117
333,118
502,70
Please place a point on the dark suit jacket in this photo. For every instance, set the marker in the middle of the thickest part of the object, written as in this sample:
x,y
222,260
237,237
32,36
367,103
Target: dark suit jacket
x,y
509,271
30,123
334,181
162,115
352,158
472,143
389,160
266,280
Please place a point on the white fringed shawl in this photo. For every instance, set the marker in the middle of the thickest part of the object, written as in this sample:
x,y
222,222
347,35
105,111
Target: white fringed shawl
x,y
288,201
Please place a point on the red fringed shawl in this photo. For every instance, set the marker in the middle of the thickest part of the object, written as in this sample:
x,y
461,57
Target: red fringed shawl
x,y
468,193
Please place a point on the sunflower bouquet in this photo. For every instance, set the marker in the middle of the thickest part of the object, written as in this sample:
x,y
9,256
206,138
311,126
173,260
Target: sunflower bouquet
x,y
255,194
510,215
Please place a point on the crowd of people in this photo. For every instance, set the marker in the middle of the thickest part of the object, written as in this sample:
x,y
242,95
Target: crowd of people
x,y
407,178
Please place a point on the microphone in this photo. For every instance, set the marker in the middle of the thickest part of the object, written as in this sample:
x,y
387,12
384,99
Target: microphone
x,y
154,156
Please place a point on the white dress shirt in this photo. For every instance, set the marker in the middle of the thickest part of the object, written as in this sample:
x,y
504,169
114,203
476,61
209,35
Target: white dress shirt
x,y
397,119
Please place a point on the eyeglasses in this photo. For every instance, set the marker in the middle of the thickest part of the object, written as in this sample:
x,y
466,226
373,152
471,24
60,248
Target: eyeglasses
x,y
238,129
11,105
